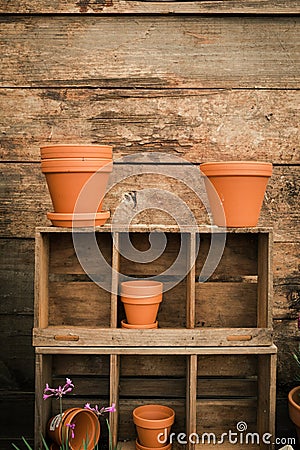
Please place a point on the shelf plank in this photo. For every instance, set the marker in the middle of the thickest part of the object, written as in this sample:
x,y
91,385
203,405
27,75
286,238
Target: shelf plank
x,y
167,337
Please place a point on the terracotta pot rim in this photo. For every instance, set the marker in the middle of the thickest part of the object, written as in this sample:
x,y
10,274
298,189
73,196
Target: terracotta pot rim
x,y
126,325
83,149
141,299
143,288
153,423
77,158
61,166
291,399
251,168
142,447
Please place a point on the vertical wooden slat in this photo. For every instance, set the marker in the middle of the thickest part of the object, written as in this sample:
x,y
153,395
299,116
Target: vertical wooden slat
x,y
114,396
191,397
41,280
191,286
43,367
265,283
115,280
266,397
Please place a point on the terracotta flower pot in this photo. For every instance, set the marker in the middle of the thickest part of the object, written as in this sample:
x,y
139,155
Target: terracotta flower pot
x,y
153,424
66,178
141,299
124,324
138,446
78,220
238,186
76,151
86,428
294,408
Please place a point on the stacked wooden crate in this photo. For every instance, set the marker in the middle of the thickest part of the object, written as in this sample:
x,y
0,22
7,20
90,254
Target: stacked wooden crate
x,y
212,358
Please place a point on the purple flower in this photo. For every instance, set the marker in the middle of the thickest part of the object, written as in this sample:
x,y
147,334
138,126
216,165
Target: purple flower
x,y
98,411
71,426
58,392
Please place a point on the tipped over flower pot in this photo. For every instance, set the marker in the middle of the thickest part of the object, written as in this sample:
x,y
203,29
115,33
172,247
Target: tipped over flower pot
x,y
77,425
141,299
153,424
236,191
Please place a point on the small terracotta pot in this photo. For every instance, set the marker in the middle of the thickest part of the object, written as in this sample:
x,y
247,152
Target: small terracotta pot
x,y
124,324
78,220
87,428
294,408
138,446
141,299
239,188
76,151
153,424
66,178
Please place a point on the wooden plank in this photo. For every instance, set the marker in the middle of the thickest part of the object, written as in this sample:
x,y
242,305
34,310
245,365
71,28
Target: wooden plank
x,y
114,396
16,417
190,282
226,304
42,408
25,200
41,285
157,365
157,7
233,366
115,281
246,350
265,280
266,396
168,337
78,303
191,396
194,124
56,51
80,365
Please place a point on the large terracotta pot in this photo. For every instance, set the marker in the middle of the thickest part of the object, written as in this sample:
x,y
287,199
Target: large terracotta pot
x,y
153,423
87,429
239,188
141,299
76,151
66,178
294,408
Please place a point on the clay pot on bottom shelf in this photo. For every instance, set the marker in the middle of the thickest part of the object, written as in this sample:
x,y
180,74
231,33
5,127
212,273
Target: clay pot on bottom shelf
x,y
294,408
87,428
153,421
129,326
138,446
239,188
141,300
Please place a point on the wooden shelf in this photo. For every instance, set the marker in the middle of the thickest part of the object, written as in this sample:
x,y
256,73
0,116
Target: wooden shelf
x,y
212,358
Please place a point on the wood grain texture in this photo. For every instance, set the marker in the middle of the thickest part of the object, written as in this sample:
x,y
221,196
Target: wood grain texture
x,y
195,125
160,51
25,199
157,7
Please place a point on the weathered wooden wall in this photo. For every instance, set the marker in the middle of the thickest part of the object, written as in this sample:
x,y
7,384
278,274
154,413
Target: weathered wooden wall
x,y
200,80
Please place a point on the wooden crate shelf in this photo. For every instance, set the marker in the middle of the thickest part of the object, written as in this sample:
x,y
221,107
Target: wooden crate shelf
x,y
236,298
211,359
210,390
